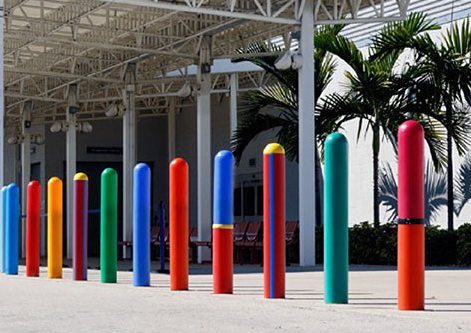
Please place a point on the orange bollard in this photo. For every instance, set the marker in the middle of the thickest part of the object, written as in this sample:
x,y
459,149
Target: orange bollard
x,y
54,228
411,232
179,234
33,228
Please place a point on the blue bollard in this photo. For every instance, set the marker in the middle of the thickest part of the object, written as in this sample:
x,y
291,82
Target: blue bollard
x,y
12,229
3,226
141,226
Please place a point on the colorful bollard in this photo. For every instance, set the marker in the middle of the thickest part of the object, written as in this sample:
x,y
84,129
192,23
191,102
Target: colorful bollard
x,y
178,215
109,226
274,221
12,229
336,219
80,251
223,226
3,226
54,228
411,233
141,226
33,228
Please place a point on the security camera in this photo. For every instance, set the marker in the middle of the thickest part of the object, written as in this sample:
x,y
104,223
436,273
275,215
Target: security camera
x,y
285,61
56,127
112,110
185,90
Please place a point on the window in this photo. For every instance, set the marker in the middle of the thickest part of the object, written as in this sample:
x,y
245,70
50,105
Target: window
x,y
237,202
249,201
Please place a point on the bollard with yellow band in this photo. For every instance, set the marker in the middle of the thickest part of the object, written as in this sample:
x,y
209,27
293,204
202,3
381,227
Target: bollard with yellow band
x,y
80,253
222,223
54,228
274,221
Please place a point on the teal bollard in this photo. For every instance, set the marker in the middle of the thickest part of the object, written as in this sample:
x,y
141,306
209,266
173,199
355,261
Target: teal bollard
x,y
336,220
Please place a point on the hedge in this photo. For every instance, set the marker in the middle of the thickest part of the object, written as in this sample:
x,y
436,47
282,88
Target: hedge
x,y
378,246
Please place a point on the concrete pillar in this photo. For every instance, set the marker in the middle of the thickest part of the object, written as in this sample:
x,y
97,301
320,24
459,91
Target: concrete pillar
x,y
234,86
203,142
129,152
307,142
71,161
25,166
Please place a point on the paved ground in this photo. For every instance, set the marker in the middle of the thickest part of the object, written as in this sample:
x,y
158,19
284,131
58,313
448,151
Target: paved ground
x,y
40,305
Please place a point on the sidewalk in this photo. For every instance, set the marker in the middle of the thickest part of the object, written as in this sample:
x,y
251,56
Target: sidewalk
x,y
40,304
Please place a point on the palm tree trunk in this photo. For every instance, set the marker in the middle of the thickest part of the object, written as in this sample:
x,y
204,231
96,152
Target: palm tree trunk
x,y
376,144
450,196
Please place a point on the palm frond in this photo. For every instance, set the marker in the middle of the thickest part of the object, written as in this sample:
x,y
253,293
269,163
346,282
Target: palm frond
x,y
435,192
463,185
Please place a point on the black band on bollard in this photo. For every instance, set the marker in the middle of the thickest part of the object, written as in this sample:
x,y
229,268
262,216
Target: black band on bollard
x,y
410,221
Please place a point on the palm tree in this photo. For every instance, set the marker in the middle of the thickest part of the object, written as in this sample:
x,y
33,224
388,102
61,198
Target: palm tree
x,y
435,195
281,96
378,95
445,80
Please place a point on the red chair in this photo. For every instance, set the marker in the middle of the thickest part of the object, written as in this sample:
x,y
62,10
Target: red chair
x,y
291,239
240,228
252,236
193,246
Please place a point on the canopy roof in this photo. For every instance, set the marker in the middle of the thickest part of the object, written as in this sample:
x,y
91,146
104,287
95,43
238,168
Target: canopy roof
x,y
50,44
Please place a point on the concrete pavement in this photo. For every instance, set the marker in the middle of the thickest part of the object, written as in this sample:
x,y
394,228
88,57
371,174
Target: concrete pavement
x,y
43,305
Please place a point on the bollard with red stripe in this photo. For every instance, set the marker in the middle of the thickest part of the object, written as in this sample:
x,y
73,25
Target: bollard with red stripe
x,y
411,234
274,221
33,228
80,252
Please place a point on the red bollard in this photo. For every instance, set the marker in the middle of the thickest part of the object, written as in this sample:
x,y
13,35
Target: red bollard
x,y
411,234
33,228
179,234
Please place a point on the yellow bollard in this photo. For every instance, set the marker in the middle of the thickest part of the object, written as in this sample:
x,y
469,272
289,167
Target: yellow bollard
x,y
54,228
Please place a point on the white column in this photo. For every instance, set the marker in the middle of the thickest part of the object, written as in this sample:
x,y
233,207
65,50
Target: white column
x,y
171,136
71,162
307,142
234,86
25,167
129,153
203,128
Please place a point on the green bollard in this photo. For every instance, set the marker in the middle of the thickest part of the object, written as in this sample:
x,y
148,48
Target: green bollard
x,y
336,219
109,225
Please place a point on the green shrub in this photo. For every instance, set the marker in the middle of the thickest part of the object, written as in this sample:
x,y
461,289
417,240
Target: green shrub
x,y
378,246
463,245
440,247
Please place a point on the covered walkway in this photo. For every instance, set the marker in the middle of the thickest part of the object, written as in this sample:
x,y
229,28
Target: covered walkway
x,y
70,63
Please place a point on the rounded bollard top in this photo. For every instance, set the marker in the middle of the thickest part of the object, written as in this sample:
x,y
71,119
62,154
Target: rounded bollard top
x,y
141,167
336,138
4,188
224,155
109,172
33,183
274,148
80,176
410,126
178,162
12,185
54,180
